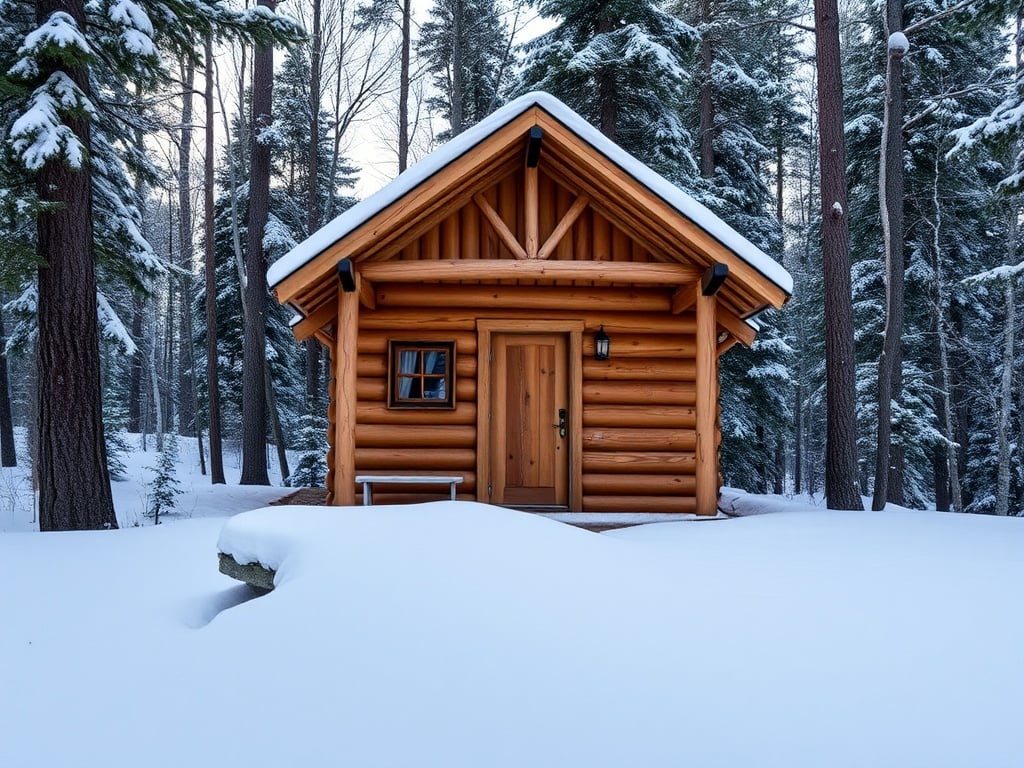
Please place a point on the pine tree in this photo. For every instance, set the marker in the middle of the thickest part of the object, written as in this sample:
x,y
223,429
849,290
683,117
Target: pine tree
x,y
622,65
70,66
466,48
165,486
311,470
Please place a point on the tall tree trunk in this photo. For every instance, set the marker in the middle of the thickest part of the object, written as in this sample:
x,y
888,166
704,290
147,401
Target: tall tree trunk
x,y
159,425
187,424
890,195
312,346
945,376
841,487
167,367
798,438
403,87
275,427
135,412
458,98
74,485
707,104
778,482
312,376
254,404
606,89
8,456
1006,385
315,76
209,273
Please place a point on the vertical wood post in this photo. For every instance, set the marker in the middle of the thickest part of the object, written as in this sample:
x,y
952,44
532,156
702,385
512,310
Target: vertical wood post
x,y
344,361
707,405
532,213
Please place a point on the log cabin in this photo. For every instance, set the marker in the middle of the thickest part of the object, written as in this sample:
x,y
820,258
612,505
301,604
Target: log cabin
x,y
530,309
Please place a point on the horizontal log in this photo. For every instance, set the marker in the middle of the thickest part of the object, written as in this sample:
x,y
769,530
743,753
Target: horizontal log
x,y
651,504
370,366
402,436
623,439
666,416
376,342
652,369
522,297
455,318
379,413
639,485
642,345
629,393
647,462
597,272
377,460
437,494
375,390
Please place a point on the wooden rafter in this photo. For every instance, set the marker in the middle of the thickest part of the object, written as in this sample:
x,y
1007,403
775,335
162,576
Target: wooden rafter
x,y
563,226
312,323
367,296
500,227
683,298
736,327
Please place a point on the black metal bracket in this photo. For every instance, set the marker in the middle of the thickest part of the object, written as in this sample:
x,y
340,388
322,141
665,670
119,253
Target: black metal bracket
x,y
533,147
713,278
347,275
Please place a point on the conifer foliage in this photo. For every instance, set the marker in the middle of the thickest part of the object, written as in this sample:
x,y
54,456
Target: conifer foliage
x,y
622,64
68,62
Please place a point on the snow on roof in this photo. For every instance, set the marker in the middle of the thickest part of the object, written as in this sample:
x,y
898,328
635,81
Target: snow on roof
x,y
348,221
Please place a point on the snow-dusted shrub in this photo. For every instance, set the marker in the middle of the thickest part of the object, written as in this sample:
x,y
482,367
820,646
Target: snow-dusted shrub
x,y
311,471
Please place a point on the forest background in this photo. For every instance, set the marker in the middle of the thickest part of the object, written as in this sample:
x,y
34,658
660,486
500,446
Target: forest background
x,y
158,156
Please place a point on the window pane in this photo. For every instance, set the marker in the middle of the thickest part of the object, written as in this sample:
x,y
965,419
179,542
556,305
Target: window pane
x,y
409,362
422,375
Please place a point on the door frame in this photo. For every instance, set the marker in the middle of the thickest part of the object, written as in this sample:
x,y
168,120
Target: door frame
x,y
573,329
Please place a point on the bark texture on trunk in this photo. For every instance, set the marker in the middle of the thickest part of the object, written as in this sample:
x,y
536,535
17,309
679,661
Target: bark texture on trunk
x,y
457,67
403,87
210,277
606,87
888,463
707,104
186,384
74,485
187,424
841,487
254,404
1003,418
8,456
136,418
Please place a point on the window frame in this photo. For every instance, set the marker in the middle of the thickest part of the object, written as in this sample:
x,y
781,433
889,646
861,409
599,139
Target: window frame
x,y
395,348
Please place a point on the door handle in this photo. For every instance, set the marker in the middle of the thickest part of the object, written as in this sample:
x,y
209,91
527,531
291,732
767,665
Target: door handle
x,y
563,416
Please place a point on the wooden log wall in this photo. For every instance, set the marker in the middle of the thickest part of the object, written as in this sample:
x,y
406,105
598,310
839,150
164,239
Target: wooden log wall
x,y
430,441
639,415
639,420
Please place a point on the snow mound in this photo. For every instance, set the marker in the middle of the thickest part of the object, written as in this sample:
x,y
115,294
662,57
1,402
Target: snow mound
x,y
461,635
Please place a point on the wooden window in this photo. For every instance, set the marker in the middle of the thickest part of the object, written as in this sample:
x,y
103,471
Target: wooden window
x,y
421,374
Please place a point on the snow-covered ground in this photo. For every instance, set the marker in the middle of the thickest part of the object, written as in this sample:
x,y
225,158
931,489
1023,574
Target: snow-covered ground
x,y
457,634
132,494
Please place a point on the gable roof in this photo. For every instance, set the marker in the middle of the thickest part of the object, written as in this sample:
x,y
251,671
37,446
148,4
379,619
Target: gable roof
x,y
420,173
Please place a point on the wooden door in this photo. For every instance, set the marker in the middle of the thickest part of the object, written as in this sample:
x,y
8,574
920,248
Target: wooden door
x,y
530,421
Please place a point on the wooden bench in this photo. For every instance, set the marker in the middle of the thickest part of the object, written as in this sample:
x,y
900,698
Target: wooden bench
x,y
369,480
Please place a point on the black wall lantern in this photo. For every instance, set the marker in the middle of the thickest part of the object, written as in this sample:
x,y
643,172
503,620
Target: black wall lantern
x,y
602,345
